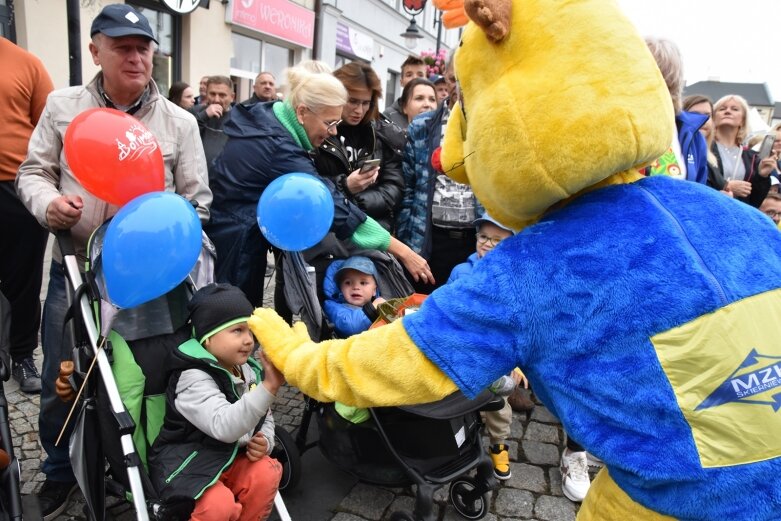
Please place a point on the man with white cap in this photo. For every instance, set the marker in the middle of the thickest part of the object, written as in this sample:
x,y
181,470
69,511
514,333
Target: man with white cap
x,y
122,46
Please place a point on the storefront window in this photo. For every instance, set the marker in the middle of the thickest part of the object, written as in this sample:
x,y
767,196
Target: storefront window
x,y
276,58
246,53
165,27
252,56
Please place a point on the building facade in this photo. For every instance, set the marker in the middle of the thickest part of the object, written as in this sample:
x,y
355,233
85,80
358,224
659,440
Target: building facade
x,y
238,38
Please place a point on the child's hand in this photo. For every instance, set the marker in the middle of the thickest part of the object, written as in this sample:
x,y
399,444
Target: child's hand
x,y
378,301
518,377
272,378
257,447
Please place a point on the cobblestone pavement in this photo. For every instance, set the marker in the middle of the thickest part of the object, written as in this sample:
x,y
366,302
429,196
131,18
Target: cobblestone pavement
x,y
533,491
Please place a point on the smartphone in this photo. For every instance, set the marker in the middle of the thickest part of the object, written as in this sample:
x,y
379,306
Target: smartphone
x,y
369,164
767,146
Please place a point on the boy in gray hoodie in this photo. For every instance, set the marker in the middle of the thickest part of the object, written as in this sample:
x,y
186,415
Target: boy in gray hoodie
x,y
218,430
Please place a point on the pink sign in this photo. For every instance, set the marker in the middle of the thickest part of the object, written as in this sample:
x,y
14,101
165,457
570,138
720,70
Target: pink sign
x,y
279,18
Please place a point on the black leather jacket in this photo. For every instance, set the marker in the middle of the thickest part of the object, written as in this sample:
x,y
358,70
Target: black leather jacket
x,y
760,186
379,139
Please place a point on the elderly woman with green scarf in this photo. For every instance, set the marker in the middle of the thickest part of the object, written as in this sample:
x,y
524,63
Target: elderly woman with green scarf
x,y
265,141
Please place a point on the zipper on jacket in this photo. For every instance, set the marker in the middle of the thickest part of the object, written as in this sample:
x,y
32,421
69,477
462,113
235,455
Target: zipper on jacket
x,y
682,233
181,467
336,150
222,470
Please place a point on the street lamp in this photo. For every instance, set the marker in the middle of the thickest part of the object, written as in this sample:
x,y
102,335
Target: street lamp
x,y
412,34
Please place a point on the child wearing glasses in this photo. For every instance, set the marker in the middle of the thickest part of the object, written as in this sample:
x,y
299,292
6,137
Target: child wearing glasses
x,y
490,233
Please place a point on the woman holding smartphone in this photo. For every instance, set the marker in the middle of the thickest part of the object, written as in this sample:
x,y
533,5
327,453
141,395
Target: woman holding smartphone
x,y
364,157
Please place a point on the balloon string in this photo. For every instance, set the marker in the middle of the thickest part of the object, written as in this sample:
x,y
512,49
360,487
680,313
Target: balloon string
x,y
78,394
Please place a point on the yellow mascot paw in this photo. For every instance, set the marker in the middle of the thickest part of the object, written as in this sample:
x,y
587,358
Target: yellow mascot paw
x,y
275,336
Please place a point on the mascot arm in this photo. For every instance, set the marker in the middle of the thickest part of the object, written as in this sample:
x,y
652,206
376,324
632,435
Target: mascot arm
x,y
380,367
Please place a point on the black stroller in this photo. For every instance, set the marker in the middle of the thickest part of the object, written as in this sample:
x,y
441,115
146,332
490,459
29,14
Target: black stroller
x,y
120,408
429,445
10,497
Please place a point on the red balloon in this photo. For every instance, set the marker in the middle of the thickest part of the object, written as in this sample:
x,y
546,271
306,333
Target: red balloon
x,y
113,155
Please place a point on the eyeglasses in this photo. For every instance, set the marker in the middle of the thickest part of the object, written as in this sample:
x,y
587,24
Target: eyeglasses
x,y
772,213
357,103
483,238
329,125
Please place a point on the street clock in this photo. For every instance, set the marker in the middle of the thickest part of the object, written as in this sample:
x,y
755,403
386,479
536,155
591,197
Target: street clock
x,y
182,6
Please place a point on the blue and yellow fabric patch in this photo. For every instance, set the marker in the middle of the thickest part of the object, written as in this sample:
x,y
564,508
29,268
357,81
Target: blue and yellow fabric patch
x,y
727,380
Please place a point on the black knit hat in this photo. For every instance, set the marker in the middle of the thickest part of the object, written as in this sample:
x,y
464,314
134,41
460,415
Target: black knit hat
x,y
215,307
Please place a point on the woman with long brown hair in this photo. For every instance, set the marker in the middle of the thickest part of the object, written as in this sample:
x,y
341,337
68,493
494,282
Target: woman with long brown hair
x,y
362,136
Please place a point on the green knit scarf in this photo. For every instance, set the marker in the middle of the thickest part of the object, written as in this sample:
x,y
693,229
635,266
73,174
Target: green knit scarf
x,y
286,115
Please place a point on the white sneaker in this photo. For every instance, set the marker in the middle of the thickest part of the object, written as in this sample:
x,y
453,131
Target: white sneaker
x,y
575,481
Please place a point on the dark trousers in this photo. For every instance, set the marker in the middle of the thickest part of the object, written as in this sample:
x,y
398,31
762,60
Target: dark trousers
x,y
449,247
22,247
54,342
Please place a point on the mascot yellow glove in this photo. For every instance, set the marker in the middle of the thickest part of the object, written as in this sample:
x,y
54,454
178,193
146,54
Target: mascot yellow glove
x,y
380,367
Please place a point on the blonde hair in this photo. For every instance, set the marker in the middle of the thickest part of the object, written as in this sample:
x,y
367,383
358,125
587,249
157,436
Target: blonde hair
x,y
310,83
755,140
743,131
668,59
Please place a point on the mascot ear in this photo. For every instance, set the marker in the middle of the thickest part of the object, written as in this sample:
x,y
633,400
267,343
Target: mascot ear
x,y
453,14
492,16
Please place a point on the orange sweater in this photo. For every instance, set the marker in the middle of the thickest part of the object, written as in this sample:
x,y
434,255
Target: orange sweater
x,y
24,85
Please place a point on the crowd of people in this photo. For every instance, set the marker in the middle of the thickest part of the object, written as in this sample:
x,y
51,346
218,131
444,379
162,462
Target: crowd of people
x,y
389,193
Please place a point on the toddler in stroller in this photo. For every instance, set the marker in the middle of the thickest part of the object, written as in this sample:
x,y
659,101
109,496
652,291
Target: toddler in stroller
x,y
218,431
122,406
428,445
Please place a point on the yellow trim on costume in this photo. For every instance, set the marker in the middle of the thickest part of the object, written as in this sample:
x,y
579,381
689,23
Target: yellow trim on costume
x,y
606,501
453,156
725,370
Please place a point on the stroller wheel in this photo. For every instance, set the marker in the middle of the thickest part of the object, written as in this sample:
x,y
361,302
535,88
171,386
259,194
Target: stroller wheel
x,y
466,501
286,452
400,515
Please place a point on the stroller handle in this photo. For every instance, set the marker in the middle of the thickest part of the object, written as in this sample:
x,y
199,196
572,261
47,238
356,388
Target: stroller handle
x,y
65,242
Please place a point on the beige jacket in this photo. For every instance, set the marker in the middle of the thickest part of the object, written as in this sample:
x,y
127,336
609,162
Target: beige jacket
x,y
45,175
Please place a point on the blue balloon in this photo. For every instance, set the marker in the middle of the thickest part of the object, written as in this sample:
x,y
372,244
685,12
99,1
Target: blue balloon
x,y
295,211
150,247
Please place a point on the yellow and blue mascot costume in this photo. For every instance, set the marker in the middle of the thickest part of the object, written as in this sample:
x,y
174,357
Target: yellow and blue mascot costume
x,y
646,312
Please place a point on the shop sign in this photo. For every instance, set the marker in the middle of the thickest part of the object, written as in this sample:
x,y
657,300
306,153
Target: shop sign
x,y
353,42
182,6
280,18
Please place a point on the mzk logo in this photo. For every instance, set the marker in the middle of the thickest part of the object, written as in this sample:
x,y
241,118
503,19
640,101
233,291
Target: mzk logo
x,y
139,141
757,381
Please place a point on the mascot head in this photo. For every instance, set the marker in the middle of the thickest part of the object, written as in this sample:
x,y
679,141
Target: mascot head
x,y
557,97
